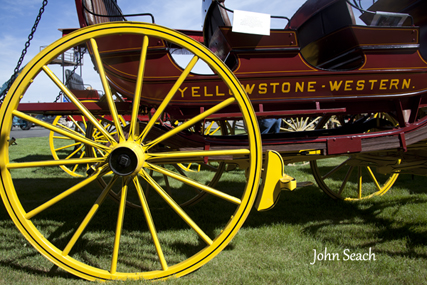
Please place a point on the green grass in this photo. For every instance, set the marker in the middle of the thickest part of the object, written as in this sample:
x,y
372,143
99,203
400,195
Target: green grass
x,y
273,247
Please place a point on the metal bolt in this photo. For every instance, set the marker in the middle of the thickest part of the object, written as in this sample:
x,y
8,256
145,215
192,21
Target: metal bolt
x,y
123,160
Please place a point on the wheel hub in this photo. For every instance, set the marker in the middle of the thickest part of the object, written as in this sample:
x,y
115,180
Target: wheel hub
x,y
126,159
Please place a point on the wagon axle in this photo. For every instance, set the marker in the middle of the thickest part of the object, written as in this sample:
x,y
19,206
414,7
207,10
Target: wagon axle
x,y
127,159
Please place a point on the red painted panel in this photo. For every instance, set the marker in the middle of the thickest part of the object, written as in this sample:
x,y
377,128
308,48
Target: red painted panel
x,y
344,145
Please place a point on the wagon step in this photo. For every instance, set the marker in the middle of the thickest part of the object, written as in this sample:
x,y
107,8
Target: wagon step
x,y
274,181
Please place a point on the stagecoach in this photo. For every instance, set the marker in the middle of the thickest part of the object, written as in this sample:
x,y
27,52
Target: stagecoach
x,y
160,137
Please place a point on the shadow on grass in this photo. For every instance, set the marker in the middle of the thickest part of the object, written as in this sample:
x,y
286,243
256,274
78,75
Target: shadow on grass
x,y
355,225
318,215
59,222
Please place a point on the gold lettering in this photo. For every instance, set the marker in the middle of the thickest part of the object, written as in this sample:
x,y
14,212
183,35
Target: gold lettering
x,y
195,91
263,88
406,83
286,87
348,85
372,83
394,83
383,84
217,92
335,86
249,89
299,87
274,86
206,92
182,91
310,87
360,85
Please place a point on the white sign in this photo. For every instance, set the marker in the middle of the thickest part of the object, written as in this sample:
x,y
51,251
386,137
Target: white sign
x,y
251,23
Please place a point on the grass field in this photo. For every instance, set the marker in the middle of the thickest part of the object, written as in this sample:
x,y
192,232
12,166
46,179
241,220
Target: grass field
x,y
273,247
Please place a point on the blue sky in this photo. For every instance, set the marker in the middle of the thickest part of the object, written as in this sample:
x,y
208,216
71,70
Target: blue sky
x,y
18,17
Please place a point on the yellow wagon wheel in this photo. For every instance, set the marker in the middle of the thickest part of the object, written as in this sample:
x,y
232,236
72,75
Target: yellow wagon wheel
x,y
299,124
355,177
63,147
352,177
95,239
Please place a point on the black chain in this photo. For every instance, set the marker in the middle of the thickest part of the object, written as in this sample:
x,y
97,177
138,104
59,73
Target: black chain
x,y
24,52
78,63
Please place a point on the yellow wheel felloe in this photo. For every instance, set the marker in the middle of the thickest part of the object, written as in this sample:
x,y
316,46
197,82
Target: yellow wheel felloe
x,y
99,240
352,177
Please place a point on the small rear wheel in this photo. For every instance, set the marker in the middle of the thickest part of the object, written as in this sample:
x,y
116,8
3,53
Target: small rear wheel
x,y
355,177
351,177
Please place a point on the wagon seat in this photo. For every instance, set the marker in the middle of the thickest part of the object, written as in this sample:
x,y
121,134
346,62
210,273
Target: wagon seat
x,y
231,47
330,39
91,12
84,92
416,8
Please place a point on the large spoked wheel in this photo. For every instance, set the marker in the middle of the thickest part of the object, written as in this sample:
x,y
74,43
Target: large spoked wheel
x,y
71,223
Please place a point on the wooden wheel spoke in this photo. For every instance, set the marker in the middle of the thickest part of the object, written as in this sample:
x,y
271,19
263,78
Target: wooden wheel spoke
x,y
208,129
176,207
67,146
138,90
291,126
61,138
305,121
89,216
313,122
150,223
338,167
359,182
172,156
58,130
76,101
374,179
108,94
81,156
195,184
168,98
346,178
192,121
47,163
77,124
63,195
94,152
84,122
75,151
71,130
119,226
293,122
